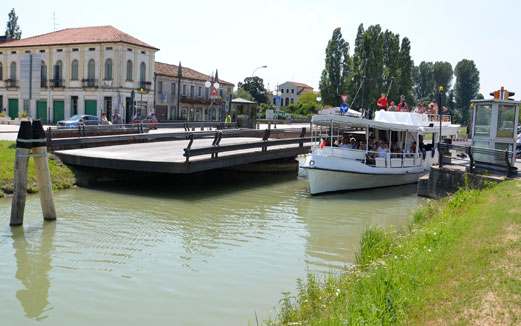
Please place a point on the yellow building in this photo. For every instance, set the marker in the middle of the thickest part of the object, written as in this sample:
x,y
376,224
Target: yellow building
x,y
86,70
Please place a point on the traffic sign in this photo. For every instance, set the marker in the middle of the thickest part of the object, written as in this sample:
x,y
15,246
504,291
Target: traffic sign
x,y
344,108
214,94
344,97
277,99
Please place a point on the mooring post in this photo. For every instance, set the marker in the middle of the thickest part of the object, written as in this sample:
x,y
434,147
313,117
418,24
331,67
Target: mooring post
x,y
23,150
43,175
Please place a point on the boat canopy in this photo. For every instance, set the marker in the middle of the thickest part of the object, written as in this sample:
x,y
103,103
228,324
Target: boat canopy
x,y
345,121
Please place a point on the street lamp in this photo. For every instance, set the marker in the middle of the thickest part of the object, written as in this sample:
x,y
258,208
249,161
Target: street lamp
x,y
208,84
254,70
141,91
319,99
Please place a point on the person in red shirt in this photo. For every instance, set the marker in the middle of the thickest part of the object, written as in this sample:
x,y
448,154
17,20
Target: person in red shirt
x,y
382,102
402,106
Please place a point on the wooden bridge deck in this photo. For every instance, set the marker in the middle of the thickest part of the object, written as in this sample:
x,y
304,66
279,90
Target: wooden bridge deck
x,y
167,156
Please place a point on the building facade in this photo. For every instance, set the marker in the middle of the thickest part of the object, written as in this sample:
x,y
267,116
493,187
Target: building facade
x,y
290,93
195,103
87,70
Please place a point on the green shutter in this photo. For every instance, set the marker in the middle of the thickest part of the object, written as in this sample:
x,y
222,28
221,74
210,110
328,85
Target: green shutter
x,y
91,107
13,108
58,111
41,111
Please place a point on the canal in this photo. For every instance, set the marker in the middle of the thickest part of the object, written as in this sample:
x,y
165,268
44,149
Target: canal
x,y
216,251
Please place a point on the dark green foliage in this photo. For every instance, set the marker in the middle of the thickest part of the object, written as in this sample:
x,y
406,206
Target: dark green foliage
x,y
255,86
12,29
335,76
428,77
466,87
404,82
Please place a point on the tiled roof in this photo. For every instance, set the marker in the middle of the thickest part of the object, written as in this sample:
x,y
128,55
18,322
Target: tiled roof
x,y
165,69
300,84
81,35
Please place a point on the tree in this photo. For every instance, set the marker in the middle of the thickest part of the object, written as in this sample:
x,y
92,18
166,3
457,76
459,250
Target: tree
x,y
308,98
442,73
12,29
242,93
466,87
334,79
404,83
255,87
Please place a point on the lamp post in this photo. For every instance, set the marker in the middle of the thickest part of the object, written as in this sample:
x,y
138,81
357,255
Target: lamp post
x,y
141,91
254,70
208,84
319,100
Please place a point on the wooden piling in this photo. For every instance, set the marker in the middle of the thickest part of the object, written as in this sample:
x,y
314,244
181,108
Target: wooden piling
x,y
23,150
43,176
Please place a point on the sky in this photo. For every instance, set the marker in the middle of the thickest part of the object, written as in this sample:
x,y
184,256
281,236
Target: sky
x,y
290,37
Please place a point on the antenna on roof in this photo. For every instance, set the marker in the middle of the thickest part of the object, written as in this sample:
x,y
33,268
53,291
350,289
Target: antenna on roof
x,y
54,20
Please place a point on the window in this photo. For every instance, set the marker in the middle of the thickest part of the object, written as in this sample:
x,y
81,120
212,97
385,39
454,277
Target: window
x,y
74,70
108,69
91,69
483,115
173,88
75,50
59,50
129,70
160,87
200,91
1,71
282,90
58,69
143,52
505,121
92,49
292,91
42,51
43,82
74,105
184,90
13,52
142,72
13,71
129,49
292,101
109,48
29,52
192,90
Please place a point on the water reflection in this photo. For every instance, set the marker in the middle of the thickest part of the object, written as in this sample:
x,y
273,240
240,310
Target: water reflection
x,y
33,267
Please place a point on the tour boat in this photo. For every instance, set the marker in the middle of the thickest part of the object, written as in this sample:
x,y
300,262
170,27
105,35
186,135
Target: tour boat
x,y
332,167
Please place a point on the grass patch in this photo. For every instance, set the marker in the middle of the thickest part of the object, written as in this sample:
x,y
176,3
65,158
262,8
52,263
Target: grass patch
x,y
458,262
62,177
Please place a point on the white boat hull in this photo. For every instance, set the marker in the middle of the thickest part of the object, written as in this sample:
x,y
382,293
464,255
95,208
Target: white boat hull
x,y
321,181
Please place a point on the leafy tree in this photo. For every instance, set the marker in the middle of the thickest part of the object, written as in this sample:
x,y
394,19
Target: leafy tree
x,y
391,61
242,93
423,80
357,71
466,87
12,29
334,80
308,98
442,74
404,82
255,86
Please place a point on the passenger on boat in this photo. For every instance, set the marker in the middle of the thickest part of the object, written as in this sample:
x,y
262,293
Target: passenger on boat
x,y
420,109
402,106
411,150
344,143
382,102
393,108
382,150
433,107
353,144
363,146
395,150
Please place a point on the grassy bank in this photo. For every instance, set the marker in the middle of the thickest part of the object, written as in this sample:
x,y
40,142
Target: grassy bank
x,y
457,263
62,177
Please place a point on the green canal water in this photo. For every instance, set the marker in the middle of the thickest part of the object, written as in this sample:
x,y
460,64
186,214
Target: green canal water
x,y
214,251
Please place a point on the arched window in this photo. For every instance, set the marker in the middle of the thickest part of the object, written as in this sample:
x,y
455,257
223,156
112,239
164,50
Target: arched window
x,y
129,70
1,71
13,71
43,75
74,70
287,101
274,101
108,69
58,70
142,72
91,69
292,101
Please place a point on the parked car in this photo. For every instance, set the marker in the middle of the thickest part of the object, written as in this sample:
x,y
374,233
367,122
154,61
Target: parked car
x,y
77,120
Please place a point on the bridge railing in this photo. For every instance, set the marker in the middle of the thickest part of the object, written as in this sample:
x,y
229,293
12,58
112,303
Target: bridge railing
x,y
263,144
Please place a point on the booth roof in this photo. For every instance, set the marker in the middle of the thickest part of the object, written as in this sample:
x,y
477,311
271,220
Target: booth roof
x,y
242,101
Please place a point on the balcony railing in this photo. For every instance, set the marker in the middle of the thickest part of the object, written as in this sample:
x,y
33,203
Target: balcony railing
x,y
195,100
89,82
145,85
57,83
11,83
43,83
